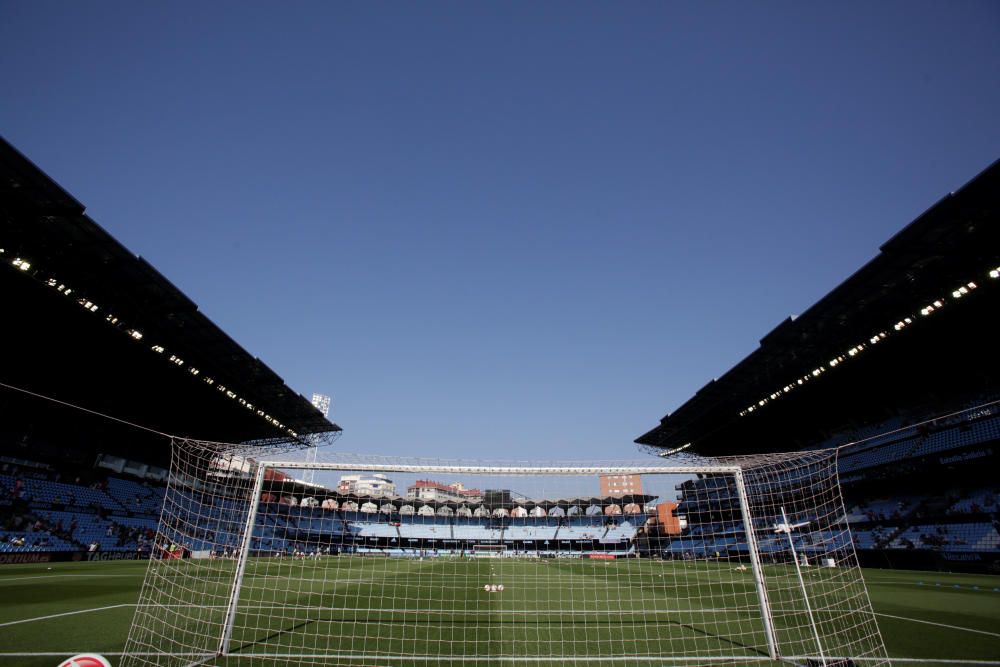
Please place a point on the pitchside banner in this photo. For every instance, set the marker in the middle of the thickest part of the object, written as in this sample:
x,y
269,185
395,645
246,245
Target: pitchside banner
x,y
28,557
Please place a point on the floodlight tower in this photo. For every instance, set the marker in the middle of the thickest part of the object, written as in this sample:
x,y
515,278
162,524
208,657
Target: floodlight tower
x,y
321,403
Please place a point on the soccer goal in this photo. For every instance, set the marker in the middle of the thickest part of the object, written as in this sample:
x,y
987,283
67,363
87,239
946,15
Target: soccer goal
x,y
379,561
489,550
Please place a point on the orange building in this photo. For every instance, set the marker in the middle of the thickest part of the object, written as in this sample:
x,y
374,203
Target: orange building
x,y
665,516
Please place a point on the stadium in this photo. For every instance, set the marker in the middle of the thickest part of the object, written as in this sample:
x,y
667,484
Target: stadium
x,y
162,500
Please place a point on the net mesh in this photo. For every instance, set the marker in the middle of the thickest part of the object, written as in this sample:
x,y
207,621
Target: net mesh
x,y
388,561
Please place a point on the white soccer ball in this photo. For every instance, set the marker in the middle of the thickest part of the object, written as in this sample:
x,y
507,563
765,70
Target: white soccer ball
x,y
500,587
486,588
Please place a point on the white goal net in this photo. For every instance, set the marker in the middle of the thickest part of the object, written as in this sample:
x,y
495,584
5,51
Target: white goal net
x,y
380,561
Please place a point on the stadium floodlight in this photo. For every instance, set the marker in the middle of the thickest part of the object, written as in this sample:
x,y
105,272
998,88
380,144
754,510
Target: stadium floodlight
x,y
322,403
675,450
252,567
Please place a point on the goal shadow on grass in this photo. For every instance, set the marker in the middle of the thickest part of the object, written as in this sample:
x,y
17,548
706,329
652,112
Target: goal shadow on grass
x,y
750,649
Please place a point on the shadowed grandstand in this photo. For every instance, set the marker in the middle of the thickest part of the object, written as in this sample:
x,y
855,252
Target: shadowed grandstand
x,y
99,328
897,367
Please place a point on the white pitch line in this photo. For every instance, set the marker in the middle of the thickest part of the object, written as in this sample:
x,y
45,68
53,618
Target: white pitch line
x,y
65,613
4,580
410,658
473,612
573,659
940,625
945,585
937,661
43,654
112,653
946,661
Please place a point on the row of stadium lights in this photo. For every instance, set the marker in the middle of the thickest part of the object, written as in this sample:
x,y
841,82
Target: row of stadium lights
x,y
956,294
24,265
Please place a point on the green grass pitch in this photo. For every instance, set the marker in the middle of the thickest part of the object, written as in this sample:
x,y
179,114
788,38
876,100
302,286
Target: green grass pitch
x,y
48,612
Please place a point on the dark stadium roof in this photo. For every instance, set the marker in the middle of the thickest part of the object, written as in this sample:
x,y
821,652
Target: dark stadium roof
x,y
89,323
897,333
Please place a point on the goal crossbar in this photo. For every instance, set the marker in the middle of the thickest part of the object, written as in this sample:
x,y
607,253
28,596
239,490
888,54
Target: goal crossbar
x,y
505,469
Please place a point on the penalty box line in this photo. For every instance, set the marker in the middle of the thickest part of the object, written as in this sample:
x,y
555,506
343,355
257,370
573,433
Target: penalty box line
x,y
424,659
420,612
461,611
569,660
66,613
4,580
456,611
940,625
412,611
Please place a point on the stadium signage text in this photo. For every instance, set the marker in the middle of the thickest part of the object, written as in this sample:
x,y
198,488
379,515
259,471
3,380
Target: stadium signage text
x,y
63,556
15,559
962,556
966,456
117,555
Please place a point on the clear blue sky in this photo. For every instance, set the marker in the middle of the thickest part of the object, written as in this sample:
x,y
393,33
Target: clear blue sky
x,y
503,229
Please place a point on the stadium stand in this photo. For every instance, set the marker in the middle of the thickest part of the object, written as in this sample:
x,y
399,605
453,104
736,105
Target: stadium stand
x,y
118,514
50,516
101,329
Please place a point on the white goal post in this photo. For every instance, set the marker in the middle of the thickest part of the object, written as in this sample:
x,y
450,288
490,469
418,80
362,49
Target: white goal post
x,y
676,561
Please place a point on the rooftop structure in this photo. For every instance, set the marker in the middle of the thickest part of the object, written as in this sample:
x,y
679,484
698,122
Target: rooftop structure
x,y
98,327
374,485
426,489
